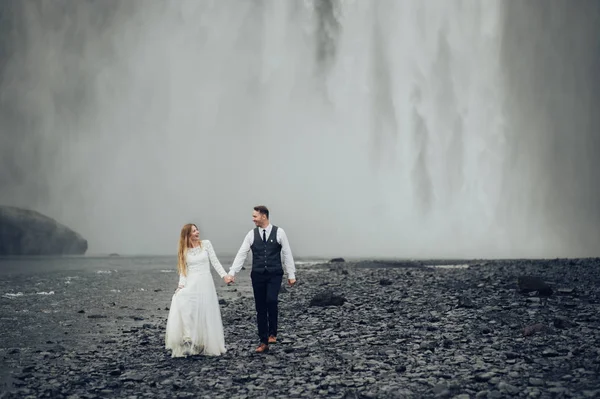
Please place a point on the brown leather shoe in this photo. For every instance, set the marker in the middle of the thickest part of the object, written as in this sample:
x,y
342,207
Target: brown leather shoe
x,y
262,348
272,339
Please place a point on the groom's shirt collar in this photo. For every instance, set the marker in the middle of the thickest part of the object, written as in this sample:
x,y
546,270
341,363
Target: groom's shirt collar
x,y
267,230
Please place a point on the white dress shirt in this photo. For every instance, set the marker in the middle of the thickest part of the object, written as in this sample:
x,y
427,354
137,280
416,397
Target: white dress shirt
x,y
286,252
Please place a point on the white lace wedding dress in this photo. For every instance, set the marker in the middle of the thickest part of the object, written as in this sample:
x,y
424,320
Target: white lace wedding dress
x,y
194,323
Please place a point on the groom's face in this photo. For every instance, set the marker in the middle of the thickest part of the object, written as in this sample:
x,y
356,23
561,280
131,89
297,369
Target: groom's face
x,y
258,218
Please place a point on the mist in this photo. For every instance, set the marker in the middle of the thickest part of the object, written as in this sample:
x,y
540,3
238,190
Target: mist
x,y
370,129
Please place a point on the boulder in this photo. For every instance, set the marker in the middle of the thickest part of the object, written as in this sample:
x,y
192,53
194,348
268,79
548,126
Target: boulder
x,y
27,232
327,298
529,284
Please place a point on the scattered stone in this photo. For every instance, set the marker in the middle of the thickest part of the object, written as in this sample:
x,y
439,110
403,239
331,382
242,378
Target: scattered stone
x,y
465,302
400,368
505,387
533,329
566,291
410,340
536,381
533,284
484,377
549,353
327,298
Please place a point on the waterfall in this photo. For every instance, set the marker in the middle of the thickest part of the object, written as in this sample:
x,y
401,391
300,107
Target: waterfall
x,y
388,128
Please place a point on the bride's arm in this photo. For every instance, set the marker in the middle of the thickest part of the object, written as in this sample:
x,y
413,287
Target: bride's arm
x,y
182,281
214,261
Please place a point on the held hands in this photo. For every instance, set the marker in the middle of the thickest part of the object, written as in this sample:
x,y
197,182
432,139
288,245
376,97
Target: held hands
x,y
228,279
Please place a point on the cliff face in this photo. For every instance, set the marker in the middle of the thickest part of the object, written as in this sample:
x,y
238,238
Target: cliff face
x,y
27,232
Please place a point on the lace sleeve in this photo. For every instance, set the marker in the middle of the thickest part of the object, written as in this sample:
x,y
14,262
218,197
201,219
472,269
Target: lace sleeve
x,y
214,261
182,281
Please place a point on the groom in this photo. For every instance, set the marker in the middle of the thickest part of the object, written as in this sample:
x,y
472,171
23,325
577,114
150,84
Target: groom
x,y
268,244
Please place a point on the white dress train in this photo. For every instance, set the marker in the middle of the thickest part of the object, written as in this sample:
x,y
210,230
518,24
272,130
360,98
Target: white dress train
x,y
194,324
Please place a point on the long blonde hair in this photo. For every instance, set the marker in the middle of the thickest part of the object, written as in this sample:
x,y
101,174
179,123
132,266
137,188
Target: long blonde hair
x,y
185,242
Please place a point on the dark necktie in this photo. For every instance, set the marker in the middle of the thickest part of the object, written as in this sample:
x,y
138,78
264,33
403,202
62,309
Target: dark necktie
x,y
264,236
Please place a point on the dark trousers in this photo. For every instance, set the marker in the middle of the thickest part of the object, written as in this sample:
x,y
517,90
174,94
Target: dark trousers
x,y
266,291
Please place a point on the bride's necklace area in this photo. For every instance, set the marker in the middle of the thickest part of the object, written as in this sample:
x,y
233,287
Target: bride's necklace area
x,y
195,250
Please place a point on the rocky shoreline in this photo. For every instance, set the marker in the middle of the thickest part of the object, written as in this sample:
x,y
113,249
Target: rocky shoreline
x,y
393,330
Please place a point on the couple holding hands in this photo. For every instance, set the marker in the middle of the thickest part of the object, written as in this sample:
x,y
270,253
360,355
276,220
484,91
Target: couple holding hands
x,y
194,324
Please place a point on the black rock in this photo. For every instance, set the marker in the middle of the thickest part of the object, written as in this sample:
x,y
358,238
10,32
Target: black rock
x,y
534,329
27,232
335,260
385,281
352,394
465,302
327,298
532,283
562,322
566,291
549,353
483,377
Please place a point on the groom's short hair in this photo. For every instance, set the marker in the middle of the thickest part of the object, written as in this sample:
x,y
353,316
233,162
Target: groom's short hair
x,y
262,209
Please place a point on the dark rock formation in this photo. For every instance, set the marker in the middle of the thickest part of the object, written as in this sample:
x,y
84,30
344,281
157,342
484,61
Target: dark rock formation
x,y
529,284
385,281
27,232
327,298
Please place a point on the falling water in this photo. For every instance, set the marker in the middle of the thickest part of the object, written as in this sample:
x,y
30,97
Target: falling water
x,y
381,128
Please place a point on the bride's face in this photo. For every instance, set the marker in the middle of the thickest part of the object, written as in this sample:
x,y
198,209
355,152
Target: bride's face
x,y
194,233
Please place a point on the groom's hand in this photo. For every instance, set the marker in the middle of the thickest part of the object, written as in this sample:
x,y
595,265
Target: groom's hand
x,y
291,281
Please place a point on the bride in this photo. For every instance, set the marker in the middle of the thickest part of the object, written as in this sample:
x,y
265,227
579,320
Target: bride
x,y
194,323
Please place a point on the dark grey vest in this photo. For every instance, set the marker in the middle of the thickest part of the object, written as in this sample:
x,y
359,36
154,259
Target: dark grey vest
x,y
266,256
